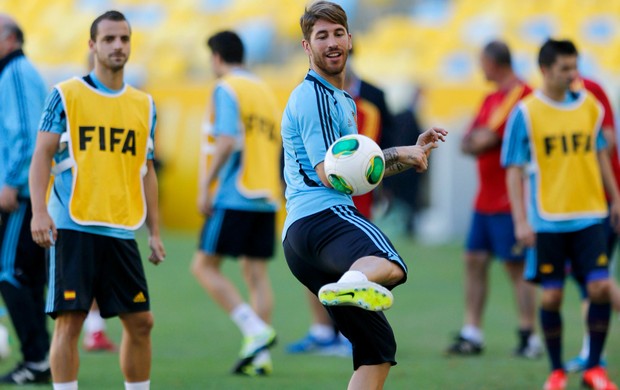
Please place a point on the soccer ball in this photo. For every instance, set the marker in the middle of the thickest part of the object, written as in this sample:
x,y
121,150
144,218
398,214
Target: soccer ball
x,y
354,164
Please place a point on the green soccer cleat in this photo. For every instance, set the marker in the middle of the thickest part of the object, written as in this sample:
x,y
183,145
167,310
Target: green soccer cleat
x,y
252,345
253,369
365,295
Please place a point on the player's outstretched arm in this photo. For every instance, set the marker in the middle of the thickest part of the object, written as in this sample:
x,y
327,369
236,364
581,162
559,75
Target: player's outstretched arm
x,y
38,180
401,158
158,253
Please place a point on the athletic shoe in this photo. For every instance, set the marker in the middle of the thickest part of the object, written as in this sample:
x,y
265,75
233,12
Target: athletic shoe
x,y
579,363
533,349
336,346
23,375
596,378
464,347
252,345
556,380
365,295
98,342
253,369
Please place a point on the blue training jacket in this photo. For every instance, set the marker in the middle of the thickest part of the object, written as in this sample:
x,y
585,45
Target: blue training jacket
x,y
22,93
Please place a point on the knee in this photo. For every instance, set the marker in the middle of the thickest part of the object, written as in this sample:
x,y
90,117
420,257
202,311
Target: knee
x,y
598,291
200,265
254,272
476,262
396,274
140,325
145,324
552,299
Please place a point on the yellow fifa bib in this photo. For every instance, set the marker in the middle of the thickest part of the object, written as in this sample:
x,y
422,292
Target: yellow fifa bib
x,y
259,175
108,141
563,143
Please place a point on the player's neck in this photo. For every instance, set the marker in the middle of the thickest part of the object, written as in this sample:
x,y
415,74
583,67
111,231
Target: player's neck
x,y
335,80
507,80
226,69
556,94
111,79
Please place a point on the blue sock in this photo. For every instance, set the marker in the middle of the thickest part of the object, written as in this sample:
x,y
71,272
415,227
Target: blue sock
x,y
551,323
598,325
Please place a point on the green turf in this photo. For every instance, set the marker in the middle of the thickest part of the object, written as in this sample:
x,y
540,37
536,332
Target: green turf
x,y
195,343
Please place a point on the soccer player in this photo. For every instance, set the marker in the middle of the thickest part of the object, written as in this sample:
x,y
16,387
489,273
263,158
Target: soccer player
x,y
95,338
491,232
100,132
608,127
240,214
329,246
373,117
22,262
556,133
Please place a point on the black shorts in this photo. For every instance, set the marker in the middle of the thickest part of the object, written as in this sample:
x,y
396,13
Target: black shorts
x,y
585,251
22,261
319,249
239,233
83,266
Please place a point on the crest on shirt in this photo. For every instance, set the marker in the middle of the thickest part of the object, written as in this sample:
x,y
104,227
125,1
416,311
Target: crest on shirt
x,y
350,123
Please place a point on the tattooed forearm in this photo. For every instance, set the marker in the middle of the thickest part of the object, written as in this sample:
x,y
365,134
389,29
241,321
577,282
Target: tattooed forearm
x,y
392,165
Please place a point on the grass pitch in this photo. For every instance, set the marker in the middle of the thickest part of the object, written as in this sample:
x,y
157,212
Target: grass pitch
x,y
195,343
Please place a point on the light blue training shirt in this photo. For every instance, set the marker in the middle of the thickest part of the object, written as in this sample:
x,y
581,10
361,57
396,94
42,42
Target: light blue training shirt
x,y
317,114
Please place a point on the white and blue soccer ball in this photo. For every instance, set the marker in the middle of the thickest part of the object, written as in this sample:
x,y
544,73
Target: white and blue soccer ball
x,y
354,164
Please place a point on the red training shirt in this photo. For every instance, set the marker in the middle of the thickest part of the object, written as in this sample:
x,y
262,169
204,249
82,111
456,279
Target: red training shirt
x,y
492,194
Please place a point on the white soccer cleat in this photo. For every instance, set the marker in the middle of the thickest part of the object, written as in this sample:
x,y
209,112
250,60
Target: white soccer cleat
x,y
252,345
365,295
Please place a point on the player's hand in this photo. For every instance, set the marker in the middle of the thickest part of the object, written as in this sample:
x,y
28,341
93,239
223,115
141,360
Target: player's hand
x,y
205,204
8,199
431,136
524,234
158,253
415,156
43,229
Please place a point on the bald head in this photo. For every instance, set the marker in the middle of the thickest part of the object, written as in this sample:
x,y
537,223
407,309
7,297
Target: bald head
x,y
11,36
496,61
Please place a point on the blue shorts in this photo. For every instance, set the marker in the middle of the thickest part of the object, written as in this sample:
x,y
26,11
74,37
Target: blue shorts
x,y
494,233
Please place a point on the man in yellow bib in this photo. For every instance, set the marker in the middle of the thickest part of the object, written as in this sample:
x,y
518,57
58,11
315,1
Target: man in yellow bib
x,y
240,213
99,132
554,136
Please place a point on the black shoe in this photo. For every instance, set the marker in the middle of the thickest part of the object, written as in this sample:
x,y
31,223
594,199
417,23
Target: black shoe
x,y
22,375
464,347
533,350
